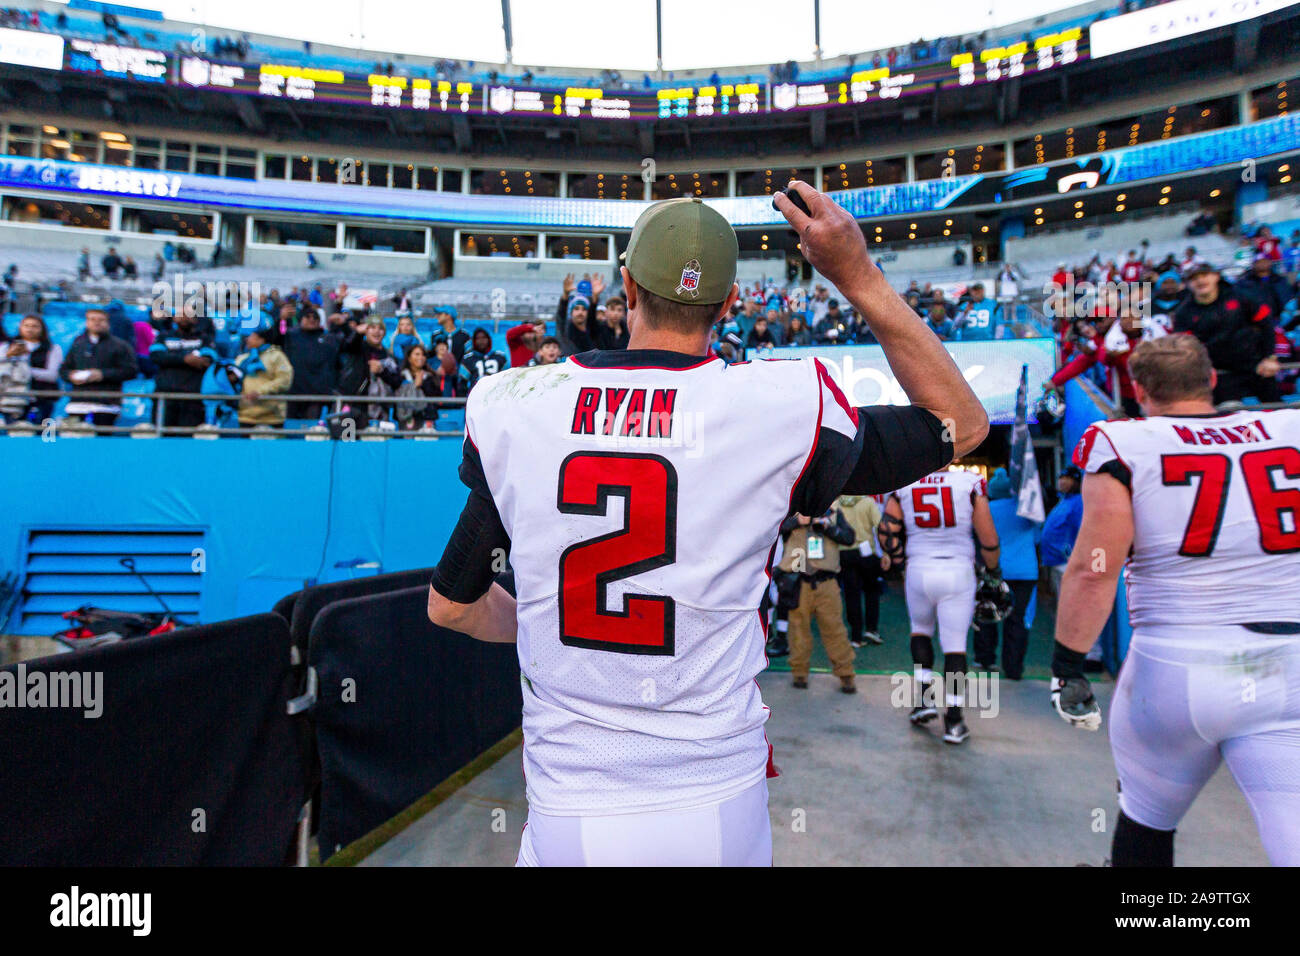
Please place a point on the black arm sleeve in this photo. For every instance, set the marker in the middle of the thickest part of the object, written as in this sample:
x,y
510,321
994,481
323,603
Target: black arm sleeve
x,y
900,444
893,447
1119,471
472,557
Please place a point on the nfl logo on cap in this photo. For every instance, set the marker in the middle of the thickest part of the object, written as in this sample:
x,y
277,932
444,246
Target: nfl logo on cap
x,y
690,284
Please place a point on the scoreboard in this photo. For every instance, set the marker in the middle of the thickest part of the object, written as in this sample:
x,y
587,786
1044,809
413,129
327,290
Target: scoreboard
x,y
720,100
709,100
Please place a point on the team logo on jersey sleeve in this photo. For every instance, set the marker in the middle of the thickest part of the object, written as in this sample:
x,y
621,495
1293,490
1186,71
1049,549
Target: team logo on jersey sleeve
x,y
690,284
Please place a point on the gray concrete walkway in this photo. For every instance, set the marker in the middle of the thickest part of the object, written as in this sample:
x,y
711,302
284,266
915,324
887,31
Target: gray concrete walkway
x,y
861,786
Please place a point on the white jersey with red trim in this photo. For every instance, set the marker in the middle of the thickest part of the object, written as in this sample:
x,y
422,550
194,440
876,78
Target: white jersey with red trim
x,y
937,513
1216,514
642,502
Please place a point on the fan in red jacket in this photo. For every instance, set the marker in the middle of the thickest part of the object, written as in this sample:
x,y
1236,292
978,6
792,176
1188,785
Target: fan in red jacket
x,y
523,341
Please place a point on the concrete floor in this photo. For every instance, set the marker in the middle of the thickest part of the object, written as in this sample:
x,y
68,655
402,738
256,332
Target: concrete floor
x,y
870,789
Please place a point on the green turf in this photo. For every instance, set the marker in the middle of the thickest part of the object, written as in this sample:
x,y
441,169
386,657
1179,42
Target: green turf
x,y
895,655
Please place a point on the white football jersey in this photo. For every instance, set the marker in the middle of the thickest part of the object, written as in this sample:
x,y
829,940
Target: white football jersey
x,y
643,502
1216,514
937,513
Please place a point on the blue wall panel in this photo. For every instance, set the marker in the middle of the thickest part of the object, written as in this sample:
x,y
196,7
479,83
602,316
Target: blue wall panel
x,y
272,517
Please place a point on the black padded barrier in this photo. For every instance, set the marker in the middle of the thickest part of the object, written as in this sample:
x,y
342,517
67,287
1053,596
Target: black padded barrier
x,y
426,702
192,760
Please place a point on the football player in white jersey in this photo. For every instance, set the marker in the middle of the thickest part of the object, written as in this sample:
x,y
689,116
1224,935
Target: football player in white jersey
x,y
1205,507
639,494
939,518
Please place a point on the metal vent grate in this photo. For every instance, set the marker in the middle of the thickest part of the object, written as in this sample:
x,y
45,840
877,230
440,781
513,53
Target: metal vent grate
x,y
65,568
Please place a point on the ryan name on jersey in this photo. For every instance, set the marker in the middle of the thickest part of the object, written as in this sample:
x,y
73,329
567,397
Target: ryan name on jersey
x,y
638,412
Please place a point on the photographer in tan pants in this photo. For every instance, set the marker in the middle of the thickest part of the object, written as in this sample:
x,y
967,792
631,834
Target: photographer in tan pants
x,y
812,550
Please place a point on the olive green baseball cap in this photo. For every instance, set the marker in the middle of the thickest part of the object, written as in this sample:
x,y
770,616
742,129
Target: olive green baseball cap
x,y
683,250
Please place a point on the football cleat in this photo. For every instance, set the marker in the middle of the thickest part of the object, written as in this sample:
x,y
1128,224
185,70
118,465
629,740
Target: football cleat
x,y
955,730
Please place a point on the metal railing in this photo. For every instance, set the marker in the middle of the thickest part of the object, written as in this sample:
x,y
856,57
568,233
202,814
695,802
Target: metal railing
x,y
375,430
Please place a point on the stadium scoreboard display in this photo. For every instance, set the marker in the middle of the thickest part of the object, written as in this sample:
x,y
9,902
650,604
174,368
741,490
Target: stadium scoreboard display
x,y
706,100
117,62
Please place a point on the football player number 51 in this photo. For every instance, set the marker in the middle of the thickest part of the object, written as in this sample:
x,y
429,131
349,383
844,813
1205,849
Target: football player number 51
x,y
646,485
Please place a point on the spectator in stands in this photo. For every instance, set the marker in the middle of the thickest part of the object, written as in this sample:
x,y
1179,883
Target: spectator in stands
x,y
1202,225
404,338
860,569
1133,267
1008,285
264,370
1019,562
447,373
937,319
83,264
377,373
314,354
401,302
111,263
1169,293
129,269
1243,256
182,353
1062,525
798,333
859,332
1268,244
612,333
457,339
548,352
97,360
1264,285
776,324
312,263
575,325
159,267
978,318
418,380
937,297
1190,258
760,336
316,297
1235,330
338,297
1062,277
1291,257
1109,348
959,257
832,329
523,341
43,358
15,378
481,360
820,303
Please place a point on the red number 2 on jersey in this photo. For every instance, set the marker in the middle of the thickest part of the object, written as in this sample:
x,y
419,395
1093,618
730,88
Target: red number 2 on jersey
x,y
647,485
1270,503
927,514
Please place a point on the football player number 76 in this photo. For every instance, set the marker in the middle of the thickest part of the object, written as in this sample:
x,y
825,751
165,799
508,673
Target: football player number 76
x,y
1277,510
591,483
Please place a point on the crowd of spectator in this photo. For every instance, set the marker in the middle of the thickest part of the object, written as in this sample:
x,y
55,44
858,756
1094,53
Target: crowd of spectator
x,y
1250,325
322,341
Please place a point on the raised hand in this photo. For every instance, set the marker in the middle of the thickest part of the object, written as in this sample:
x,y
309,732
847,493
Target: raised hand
x,y
830,238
